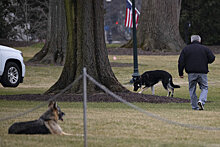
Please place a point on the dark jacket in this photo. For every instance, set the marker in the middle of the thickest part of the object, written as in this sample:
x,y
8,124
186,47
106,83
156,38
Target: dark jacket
x,y
195,59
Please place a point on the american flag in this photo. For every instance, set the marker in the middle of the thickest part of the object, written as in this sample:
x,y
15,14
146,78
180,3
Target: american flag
x,y
128,18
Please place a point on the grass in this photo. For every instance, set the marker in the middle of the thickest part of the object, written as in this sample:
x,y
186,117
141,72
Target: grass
x,y
115,45
115,124
28,52
37,80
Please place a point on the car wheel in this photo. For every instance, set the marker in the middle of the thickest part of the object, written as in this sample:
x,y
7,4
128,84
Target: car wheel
x,y
12,75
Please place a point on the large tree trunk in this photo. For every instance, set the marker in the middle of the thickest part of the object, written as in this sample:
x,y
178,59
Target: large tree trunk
x,y
158,27
86,48
53,51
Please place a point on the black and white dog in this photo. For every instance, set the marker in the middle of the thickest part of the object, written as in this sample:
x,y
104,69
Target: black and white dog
x,y
150,78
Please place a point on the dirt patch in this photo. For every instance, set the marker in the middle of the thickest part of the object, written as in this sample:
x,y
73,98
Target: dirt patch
x,y
129,51
11,43
98,97
111,51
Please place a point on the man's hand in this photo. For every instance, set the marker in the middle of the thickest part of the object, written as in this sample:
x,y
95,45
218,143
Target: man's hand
x,y
181,76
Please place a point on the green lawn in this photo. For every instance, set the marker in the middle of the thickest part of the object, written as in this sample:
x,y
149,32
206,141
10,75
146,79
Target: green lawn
x,y
115,124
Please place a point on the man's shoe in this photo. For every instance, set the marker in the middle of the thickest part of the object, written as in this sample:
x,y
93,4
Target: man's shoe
x,y
201,105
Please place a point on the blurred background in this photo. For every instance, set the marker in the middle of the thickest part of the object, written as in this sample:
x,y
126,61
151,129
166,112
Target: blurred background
x,y
26,21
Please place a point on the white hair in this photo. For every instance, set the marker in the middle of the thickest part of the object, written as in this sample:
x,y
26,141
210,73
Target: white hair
x,y
195,38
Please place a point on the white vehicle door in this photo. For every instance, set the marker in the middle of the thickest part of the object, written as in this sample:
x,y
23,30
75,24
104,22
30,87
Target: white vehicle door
x,y
1,66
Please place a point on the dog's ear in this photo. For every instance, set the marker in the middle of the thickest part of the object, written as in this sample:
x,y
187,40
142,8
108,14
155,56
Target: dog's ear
x,y
55,105
52,104
137,79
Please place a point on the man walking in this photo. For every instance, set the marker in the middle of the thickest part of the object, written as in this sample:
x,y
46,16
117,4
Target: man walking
x,y
195,58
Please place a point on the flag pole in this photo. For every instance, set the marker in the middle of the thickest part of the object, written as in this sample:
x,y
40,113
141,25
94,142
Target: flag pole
x,y
135,56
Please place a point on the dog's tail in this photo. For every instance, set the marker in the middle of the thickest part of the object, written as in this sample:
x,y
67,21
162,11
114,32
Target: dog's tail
x,y
173,85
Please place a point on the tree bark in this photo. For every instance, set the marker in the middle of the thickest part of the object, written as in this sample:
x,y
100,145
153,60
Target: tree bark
x,y
86,48
53,51
158,27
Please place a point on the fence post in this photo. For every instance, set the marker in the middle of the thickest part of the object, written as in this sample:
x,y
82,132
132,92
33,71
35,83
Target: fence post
x,y
85,105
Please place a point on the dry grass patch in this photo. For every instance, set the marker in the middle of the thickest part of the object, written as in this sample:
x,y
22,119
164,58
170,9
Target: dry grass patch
x,y
113,124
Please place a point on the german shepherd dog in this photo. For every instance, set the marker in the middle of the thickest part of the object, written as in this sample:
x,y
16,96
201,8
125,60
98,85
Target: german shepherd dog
x,y
150,78
46,124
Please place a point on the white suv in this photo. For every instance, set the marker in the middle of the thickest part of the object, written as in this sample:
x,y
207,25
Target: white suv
x,y
12,68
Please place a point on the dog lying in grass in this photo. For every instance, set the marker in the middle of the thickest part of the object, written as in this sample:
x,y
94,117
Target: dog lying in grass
x,y
46,124
150,78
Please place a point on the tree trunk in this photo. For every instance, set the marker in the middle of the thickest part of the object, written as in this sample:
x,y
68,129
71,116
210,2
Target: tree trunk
x,y
158,27
86,48
53,51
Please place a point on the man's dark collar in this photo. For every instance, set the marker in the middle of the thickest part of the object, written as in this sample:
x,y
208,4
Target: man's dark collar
x,y
195,42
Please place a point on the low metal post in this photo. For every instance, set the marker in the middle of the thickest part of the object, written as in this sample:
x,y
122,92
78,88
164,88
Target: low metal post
x,y
85,105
